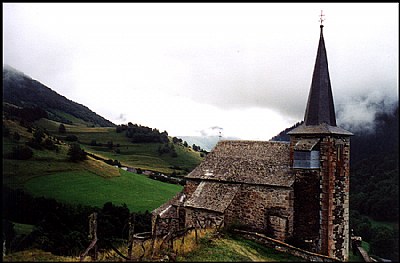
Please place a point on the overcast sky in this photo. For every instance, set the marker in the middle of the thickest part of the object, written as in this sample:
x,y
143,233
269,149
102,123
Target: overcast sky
x,y
192,68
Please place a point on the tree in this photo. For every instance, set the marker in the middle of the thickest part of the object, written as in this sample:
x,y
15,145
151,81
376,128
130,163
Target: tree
x,y
71,138
174,154
176,140
110,144
20,152
8,232
75,153
61,128
16,136
49,144
383,242
6,131
93,142
38,135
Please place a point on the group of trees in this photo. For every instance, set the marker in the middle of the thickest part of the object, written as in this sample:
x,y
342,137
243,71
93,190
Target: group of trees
x,y
167,148
40,140
382,239
27,114
374,181
142,134
176,140
374,184
20,152
75,153
60,228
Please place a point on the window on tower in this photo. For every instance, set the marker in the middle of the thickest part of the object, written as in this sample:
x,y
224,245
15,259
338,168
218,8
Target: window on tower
x,y
306,155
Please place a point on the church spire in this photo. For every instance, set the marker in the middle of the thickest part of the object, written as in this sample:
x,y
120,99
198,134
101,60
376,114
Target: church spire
x,y
320,108
319,117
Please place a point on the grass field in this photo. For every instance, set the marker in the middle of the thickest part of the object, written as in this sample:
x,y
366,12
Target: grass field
x,y
93,182
388,224
222,249
235,249
137,155
138,192
23,229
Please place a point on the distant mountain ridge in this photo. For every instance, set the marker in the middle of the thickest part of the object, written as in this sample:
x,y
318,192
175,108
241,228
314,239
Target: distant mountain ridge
x,y
283,136
205,142
23,91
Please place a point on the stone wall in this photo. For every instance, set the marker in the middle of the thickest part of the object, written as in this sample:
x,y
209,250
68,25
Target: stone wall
x,y
341,187
167,222
307,204
328,204
307,209
264,209
335,172
199,218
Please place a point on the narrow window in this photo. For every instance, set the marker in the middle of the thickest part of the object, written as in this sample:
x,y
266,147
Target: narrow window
x,y
306,154
306,159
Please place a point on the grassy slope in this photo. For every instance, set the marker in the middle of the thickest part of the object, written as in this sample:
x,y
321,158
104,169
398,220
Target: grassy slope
x,y
235,249
225,249
138,155
137,191
92,182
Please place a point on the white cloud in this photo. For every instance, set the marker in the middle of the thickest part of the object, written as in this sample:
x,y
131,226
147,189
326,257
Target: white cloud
x,y
187,67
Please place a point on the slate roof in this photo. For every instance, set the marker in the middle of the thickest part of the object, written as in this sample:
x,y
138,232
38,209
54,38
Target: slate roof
x,y
213,196
251,162
320,108
319,129
177,200
306,144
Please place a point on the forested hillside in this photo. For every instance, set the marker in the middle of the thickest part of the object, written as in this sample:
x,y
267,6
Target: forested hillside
x,y
23,91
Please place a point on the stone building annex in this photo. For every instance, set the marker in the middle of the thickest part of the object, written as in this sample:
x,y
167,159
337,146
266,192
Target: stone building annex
x,y
295,191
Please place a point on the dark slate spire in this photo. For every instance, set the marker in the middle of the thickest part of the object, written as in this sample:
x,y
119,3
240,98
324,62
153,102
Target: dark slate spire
x,y
320,108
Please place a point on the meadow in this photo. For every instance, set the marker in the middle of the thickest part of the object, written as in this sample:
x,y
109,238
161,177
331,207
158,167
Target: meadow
x,y
92,182
137,191
137,155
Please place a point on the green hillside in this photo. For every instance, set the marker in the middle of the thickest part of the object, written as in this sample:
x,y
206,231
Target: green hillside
x,y
23,91
137,191
138,155
49,173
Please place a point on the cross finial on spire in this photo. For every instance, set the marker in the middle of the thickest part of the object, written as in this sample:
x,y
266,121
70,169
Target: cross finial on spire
x,y
321,19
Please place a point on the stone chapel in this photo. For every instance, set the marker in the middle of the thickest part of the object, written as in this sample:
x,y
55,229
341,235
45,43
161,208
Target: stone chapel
x,y
297,190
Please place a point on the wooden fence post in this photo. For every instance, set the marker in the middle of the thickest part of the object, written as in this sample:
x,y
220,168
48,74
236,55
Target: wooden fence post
x,y
92,236
131,233
154,235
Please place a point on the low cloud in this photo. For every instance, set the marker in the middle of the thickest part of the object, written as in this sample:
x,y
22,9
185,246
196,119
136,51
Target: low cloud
x,y
121,118
358,114
212,131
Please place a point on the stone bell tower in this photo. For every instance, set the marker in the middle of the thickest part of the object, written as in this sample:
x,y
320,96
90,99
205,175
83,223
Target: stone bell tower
x,y
319,159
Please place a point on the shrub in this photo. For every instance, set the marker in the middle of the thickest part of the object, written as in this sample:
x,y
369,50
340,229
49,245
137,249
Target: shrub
x,y
20,152
71,138
16,136
75,153
174,154
61,128
49,144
